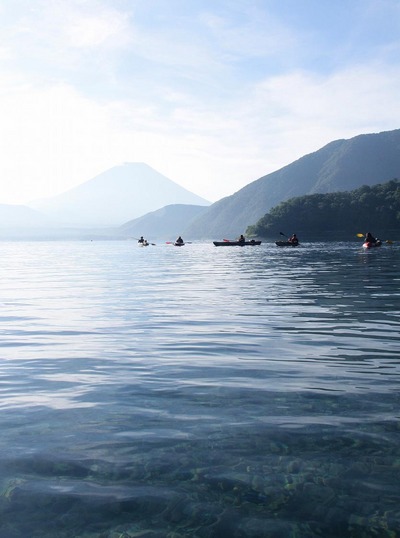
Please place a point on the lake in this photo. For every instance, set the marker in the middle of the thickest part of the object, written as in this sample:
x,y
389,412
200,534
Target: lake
x,y
199,391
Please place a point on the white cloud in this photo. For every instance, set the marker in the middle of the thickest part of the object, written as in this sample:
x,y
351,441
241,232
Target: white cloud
x,y
94,30
91,86
74,23
45,135
53,138
351,97
60,39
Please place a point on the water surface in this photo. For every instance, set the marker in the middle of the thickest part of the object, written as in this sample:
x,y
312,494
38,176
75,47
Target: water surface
x,y
199,391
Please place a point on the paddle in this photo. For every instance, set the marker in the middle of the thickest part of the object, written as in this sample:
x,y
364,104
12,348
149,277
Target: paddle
x,y
360,235
283,234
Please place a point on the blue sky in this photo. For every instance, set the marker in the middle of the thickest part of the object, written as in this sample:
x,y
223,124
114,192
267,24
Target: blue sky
x,y
212,93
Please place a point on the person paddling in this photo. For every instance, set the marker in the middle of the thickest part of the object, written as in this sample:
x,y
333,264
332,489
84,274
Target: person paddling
x,y
179,241
241,239
293,239
369,238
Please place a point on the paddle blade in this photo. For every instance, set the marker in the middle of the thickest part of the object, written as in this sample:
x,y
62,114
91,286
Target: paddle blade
x,y
282,234
360,235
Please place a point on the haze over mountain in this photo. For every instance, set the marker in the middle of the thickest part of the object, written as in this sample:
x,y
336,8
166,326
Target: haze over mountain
x,y
134,197
167,222
21,217
116,196
341,165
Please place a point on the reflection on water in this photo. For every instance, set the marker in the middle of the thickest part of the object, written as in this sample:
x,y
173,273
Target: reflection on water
x,y
202,392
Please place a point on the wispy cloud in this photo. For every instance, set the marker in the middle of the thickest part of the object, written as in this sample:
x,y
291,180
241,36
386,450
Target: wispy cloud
x,y
212,95
249,33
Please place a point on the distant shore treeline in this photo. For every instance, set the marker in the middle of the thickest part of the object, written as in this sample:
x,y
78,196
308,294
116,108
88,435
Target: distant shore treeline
x,y
338,215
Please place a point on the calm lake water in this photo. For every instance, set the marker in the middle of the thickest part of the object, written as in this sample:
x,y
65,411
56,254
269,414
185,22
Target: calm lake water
x,y
199,391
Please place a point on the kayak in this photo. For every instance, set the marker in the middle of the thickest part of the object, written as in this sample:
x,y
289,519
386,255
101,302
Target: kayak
x,y
370,244
179,244
236,243
286,244
145,244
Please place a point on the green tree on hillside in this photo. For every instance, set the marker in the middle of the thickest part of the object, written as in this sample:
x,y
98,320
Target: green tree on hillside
x,y
366,208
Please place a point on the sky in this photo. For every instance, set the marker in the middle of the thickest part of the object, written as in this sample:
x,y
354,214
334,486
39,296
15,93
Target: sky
x,y
211,93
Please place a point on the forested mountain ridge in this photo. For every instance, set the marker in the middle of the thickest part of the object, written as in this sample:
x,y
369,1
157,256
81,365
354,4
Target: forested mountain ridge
x,y
341,165
337,215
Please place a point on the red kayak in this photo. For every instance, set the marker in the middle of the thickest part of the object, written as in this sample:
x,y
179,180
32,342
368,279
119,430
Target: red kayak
x,y
370,244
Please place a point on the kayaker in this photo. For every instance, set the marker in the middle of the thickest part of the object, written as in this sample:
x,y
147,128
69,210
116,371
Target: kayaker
x,y
141,240
179,241
369,238
241,239
293,239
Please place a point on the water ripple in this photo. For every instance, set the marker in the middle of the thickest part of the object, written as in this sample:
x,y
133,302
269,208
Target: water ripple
x,y
199,391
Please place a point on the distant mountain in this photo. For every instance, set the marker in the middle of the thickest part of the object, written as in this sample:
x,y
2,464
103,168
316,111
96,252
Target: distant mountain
x,y
339,166
169,221
117,195
24,223
21,216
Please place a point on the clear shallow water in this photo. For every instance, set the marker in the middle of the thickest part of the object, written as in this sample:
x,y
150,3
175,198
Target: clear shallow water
x,y
199,391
